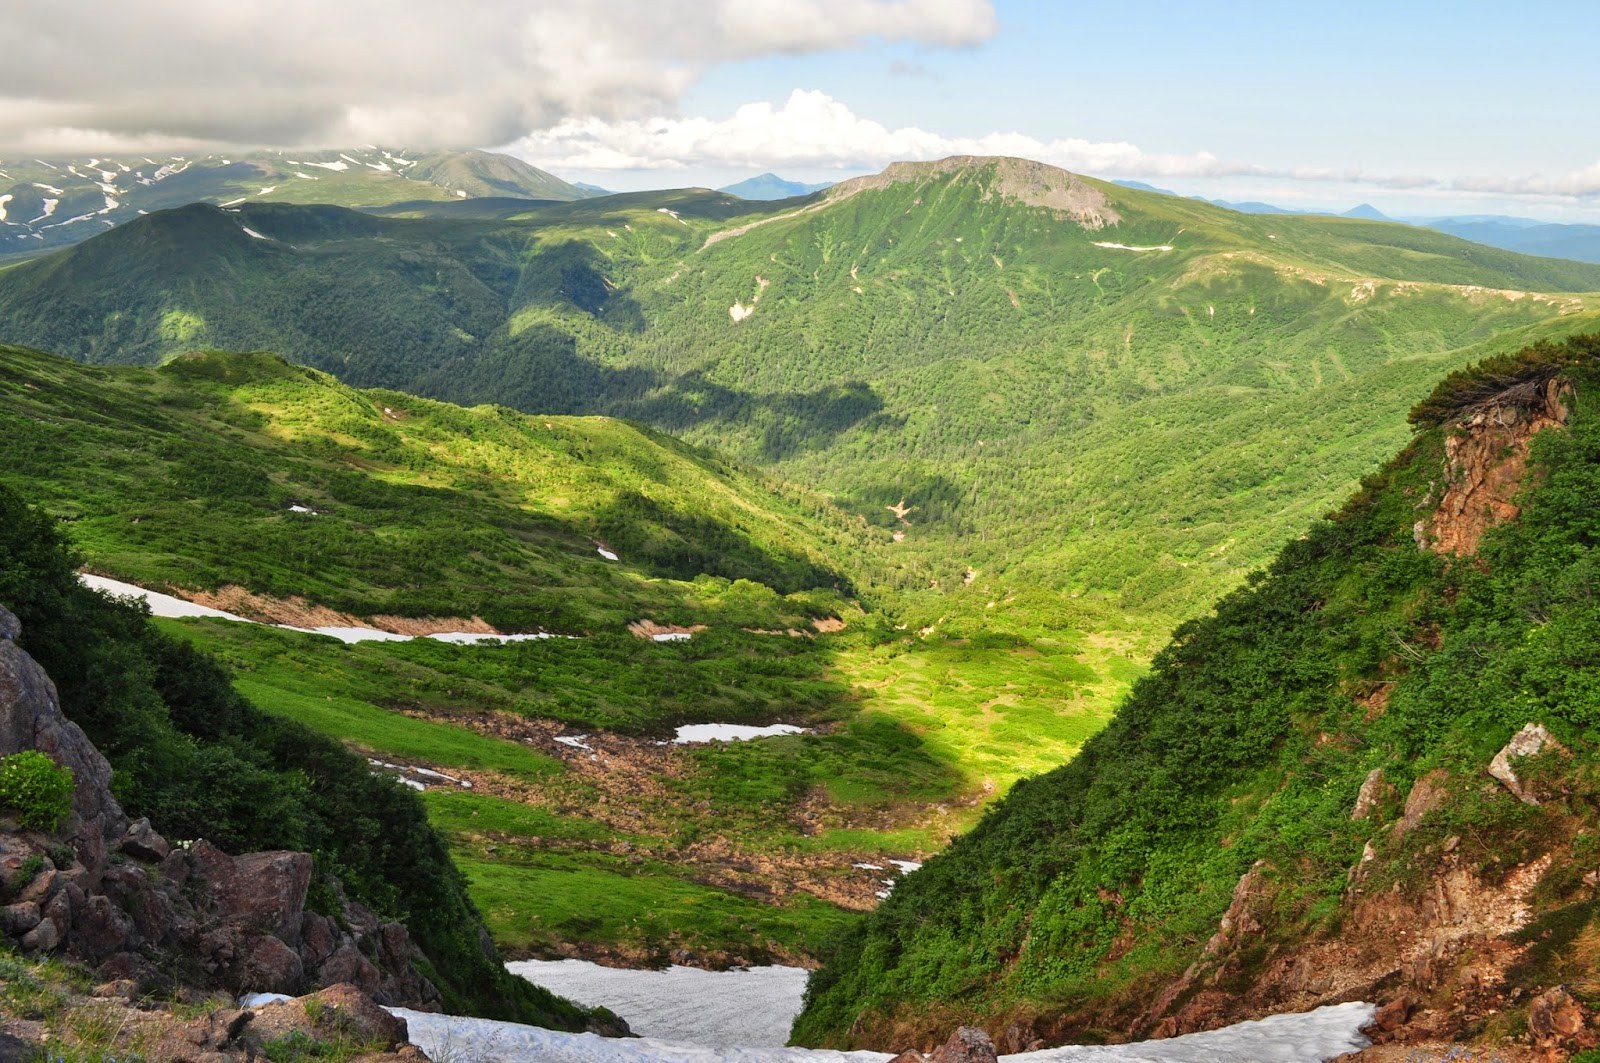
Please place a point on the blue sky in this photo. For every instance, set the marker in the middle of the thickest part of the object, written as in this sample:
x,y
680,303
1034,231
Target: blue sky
x,y
1461,94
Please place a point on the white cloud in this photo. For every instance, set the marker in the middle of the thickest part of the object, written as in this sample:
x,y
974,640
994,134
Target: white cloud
x,y
1580,184
310,72
812,129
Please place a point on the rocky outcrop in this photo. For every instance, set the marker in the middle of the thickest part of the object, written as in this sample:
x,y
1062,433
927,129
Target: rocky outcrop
x,y
1023,181
1531,741
1486,458
967,1045
120,898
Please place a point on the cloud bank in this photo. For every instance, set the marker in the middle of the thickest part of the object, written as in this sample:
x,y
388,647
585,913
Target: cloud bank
x,y
811,130
142,74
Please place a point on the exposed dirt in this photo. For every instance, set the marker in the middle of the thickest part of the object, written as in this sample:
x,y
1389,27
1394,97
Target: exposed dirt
x,y
1023,181
298,612
649,629
634,787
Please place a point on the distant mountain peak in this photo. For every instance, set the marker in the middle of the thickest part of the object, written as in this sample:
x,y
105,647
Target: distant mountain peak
x,y
1366,211
1035,184
769,186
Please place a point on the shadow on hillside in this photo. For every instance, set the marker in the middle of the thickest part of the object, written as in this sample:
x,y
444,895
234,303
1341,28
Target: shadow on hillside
x,y
574,272
683,545
785,424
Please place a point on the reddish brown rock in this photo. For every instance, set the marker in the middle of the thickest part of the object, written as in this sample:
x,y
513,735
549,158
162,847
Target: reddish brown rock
x,y
967,1045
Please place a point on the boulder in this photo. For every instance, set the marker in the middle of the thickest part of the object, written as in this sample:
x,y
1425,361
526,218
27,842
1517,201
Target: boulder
x,y
260,891
1374,791
967,1045
1557,1020
339,1009
143,843
1532,740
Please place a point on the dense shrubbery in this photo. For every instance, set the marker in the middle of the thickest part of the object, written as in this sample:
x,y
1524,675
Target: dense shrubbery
x,y
1530,367
199,760
36,788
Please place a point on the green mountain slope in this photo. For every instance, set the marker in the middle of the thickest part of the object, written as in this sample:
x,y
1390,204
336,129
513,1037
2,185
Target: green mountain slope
x,y
202,762
1135,412
185,476
49,203
1302,804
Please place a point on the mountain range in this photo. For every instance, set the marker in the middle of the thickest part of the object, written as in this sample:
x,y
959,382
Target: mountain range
x,y
46,203
926,466
771,186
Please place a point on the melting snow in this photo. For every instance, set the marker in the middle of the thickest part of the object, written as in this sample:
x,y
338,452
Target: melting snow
x,y
906,866
1125,247
576,742
304,176
460,194
52,189
160,604
671,636
267,191
672,214
294,507
692,733
251,232
165,605
743,1017
607,554
338,166
381,167
233,202
3,201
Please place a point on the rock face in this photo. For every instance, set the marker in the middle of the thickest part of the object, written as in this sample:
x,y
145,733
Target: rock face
x,y
118,897
1485,461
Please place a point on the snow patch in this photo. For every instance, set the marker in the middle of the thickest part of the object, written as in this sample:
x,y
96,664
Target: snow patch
x,y
7,198
906,866
576,742
671,214
52,189
232,202
267,191
164,605
460,194
305,176
671,636
1125,247
750,1013
692,733
381,167
294,507
338,167
251,232
607,554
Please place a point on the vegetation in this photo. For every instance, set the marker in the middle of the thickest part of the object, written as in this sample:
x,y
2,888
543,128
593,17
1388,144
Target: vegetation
x,y
199,760
36,788
1090,887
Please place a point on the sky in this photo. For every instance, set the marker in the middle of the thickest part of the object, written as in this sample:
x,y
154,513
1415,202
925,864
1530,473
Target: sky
x,y
1419,109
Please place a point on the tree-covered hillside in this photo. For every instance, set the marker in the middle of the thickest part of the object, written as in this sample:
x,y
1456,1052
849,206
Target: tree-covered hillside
x,y
1302,802
1135,411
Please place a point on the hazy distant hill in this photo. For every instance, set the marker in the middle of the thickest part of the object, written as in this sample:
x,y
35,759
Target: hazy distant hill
x,y
1580,242
771,186
47,203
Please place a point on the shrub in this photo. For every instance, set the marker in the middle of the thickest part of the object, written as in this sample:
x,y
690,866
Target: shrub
x,y
39,789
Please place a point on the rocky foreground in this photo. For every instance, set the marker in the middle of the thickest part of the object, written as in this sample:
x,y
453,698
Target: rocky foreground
x,y
143,920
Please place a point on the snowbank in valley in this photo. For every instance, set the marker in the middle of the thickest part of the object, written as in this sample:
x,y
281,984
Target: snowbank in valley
x,y
1310,1037
715,1009
692,733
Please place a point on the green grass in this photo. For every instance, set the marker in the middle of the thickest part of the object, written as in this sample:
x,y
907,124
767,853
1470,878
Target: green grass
x,y
535,902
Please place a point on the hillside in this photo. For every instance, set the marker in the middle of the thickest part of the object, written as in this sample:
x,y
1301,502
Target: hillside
x,y
277,493
1039,379
1369,774
49,203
